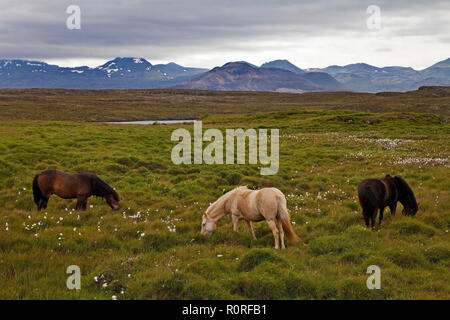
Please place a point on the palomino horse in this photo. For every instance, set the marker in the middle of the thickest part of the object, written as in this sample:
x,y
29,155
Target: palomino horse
x,y
252,205
376,194
70,186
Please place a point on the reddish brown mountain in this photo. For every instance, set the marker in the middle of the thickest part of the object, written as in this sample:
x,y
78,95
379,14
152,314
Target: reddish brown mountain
x,y
243,76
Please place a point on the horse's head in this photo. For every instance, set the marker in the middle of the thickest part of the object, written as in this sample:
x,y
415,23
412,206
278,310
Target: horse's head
x,y
208,226
406,197
112,199
410,206
101,189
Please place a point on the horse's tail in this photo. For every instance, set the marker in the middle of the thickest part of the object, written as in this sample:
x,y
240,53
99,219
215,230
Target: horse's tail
x,y
286,222
37,194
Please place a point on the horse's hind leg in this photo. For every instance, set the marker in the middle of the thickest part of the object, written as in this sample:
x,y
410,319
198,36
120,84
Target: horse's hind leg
x,y
275,232
42,203
373,218
280,227
250,228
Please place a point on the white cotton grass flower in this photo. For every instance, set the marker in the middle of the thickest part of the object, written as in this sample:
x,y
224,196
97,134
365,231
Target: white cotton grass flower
x,y
219,256
114,297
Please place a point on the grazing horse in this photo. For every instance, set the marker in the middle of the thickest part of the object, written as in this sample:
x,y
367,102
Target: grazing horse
x,y
81,185
252,205
376,194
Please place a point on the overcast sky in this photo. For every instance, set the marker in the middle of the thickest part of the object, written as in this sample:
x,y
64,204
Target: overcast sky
x,y
208,33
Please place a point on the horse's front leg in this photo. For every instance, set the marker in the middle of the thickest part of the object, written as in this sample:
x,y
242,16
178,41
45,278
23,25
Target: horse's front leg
x,y
235,220
78,205
276,234
84,204
250,228
81,202
393,208
381,215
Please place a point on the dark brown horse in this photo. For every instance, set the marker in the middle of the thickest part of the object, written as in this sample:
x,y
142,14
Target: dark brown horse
x,y
376,194
70,186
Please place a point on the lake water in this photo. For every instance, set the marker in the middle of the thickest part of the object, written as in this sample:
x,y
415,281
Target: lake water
x,y
144,122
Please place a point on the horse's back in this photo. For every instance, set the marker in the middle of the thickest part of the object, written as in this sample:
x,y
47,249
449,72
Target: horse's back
x,y
269,200
65,185
271,192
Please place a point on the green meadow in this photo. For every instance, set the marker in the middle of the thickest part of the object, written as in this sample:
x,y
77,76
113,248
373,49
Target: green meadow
x,y
152,248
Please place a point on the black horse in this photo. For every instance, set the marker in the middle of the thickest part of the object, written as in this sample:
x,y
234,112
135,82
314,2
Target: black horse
x,y
81,186
376,194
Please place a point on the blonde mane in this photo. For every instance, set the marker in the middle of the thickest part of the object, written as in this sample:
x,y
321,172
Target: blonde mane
x,y
222,199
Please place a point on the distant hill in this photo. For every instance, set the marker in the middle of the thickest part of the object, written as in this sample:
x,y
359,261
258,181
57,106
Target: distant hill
x,y
438,73
283,64
362,77
242,76
175,70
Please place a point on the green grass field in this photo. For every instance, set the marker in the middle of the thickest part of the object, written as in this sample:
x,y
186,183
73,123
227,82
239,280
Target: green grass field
x,y
152,247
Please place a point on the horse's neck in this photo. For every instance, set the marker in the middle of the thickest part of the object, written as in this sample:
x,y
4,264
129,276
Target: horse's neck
x,y
219,208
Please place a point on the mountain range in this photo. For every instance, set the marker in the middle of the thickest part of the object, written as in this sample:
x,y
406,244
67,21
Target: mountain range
x,y
278,75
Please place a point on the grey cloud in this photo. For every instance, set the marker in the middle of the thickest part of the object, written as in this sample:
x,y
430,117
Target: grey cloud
x,y
168,28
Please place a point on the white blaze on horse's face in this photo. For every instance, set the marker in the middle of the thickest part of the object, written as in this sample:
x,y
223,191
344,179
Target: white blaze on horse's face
x,y
208,226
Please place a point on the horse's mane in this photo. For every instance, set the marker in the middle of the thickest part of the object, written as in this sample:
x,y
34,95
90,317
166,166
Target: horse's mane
x,y
224,197
99,187
406,194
